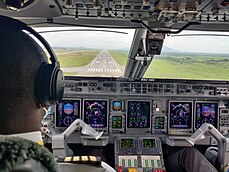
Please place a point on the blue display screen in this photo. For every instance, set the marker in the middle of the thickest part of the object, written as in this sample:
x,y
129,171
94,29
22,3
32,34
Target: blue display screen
x,y
67,112
117,105
206,112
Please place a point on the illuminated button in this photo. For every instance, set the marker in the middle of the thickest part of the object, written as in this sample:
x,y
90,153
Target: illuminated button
x,y
158,163
152,162
147,163
84,158
132,170
123,162
135,163
129,162
120,169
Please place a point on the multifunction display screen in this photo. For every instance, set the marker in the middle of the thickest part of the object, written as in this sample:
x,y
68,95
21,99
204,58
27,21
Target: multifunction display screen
x,y
180,115
117,122
138,114
159,123
95,113
127,143
66,112
149,143
117,105
206,112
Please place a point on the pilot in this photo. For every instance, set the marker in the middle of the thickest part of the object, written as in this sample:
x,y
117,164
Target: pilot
x,y
189,160
20,115
20,112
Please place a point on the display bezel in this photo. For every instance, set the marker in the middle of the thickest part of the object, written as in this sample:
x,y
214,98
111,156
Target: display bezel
x,y
83,111
169,115
195,112
68,99
149,118
159,131
117,130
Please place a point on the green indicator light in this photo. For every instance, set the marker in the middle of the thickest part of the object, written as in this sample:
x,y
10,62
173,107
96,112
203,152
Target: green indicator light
x,y
147,164
123,163
152,162
135,163
129,163
158,163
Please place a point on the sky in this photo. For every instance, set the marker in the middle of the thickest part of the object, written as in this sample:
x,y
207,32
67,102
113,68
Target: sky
x,y
199,44
107,40
90,39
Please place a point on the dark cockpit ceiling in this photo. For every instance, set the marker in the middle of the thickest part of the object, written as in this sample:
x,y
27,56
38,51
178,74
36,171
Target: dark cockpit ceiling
x,y
157,14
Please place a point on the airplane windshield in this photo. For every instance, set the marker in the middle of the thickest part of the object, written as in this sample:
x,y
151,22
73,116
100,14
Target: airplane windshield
x,y
90,52
104,53
192,55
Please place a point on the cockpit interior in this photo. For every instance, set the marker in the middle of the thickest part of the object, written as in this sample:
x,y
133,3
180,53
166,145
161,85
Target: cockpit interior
x,y
143,78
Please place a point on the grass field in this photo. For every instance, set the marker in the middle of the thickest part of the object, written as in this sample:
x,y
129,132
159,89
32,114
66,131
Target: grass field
x,y
119,56
189,67
76,58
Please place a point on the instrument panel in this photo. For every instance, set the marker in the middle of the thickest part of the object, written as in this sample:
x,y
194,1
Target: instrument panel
x,y
140,117
163,108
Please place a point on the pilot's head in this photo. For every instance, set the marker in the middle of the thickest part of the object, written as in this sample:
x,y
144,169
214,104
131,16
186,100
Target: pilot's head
x,y
20,59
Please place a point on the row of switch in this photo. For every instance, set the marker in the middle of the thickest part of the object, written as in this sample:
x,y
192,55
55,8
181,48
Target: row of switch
x,y
131,161
120,169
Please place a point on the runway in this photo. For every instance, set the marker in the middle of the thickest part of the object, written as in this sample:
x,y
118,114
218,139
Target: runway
x,y
102,65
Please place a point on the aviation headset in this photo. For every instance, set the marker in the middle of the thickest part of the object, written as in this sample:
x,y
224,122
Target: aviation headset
x,y
49,85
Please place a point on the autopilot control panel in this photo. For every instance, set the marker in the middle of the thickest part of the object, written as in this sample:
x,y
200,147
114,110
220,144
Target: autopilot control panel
x,y
139,152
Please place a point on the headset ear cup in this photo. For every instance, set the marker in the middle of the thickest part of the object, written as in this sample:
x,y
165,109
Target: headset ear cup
x,y
60,86
57,85
49,84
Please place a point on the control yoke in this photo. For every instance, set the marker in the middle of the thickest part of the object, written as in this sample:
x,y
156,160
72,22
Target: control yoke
x,y
223,144
199,134
86,129
59,143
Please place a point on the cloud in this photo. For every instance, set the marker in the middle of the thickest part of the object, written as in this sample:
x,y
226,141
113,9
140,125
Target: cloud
x,y
89,39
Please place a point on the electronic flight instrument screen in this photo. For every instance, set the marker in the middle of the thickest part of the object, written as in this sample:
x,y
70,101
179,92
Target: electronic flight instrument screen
x,y
127,143
117,122
149,143
95,113
206,112
117,105
159,123
66,112
180,115
138,114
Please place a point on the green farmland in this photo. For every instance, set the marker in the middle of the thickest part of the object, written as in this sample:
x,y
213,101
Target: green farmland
x,y
74,58
210,67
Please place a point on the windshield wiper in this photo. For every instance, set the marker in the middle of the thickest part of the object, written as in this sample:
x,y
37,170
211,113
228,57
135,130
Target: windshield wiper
x,y
70,30
198,35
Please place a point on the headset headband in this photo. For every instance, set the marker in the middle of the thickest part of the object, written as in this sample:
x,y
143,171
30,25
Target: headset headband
x,y
16,24
49,85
